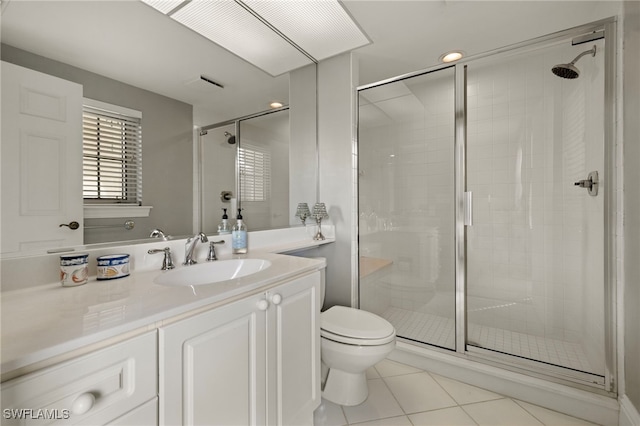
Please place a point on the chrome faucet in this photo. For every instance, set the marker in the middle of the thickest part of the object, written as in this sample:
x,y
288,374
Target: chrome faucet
x,y
167,263
212,250
190,245
157,233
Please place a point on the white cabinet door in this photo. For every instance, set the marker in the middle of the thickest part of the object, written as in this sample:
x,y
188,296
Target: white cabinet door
x,y
252,362
41,161
212,367
293,341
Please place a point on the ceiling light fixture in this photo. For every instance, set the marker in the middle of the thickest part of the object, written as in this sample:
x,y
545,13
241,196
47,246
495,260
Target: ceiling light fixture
x,y
276,104
451,56
275,36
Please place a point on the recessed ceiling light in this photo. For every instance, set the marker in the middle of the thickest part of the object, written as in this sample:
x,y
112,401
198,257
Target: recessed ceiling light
x,y
276,104
451,56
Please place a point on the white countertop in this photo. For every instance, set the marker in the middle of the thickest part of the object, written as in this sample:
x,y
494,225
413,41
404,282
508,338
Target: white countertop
x,y
43,322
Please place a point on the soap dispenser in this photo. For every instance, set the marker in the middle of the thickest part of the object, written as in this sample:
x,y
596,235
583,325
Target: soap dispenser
x,y
239,235
223,227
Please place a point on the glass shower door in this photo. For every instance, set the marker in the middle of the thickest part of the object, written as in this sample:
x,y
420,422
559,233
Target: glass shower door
x,y
406,205
535,260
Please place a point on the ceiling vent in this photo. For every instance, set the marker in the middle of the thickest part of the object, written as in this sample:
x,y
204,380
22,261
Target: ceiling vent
x,y
203,82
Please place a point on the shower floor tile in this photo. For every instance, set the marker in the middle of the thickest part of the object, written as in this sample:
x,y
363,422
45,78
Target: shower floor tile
x,y
440,331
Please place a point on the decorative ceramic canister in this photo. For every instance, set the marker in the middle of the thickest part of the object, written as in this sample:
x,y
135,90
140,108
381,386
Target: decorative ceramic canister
x,y
74,269
113,266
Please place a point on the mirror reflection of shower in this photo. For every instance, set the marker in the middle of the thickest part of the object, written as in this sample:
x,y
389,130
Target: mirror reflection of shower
x,y
231,139
569,70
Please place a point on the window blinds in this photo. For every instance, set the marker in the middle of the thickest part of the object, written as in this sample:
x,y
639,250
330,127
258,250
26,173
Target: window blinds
x,y
112,156
255,173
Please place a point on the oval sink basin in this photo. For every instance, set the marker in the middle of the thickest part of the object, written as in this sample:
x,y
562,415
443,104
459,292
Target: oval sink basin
x,y
212,272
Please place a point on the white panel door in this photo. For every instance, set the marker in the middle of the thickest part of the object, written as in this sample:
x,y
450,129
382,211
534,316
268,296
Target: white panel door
x,y
212,367
41,161
293,329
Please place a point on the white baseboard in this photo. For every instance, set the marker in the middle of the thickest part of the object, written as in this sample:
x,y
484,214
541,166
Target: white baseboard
x,y
629,415
583,404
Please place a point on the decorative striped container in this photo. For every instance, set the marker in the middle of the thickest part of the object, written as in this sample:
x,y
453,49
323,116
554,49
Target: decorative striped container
x,y
113,266
74,269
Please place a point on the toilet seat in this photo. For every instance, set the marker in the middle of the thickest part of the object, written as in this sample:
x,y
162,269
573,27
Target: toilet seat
x,y
355,327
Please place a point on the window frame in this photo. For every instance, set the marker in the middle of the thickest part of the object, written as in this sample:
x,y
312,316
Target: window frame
x,y
133,145
254,166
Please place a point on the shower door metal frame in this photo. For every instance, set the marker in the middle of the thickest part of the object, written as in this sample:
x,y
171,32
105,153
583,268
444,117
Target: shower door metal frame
x,y
555,373
552,373
461,205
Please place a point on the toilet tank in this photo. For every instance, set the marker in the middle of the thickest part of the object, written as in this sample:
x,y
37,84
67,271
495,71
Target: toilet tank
x,y
322,276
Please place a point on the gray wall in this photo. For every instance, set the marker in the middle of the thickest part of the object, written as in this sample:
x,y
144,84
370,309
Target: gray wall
x,y
336,88
167,158
631,137
303,157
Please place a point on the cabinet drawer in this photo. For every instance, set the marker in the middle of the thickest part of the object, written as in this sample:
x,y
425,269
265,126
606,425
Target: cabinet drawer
x,y
92,389
145,415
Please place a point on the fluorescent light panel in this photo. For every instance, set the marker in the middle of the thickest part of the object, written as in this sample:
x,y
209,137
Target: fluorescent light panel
x,y
237,30
164,6
321,28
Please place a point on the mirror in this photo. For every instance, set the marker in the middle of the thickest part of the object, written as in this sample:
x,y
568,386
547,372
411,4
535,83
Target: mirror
x,y
254,149
45,36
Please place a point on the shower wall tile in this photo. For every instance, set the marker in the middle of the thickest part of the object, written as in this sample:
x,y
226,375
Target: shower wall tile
x,y
522,162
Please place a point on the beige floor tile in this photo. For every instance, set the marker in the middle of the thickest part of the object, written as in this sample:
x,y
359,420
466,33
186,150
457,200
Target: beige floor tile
x,y
552,418
454,416
418,392
379,405
329,414
500,412
463,393
388,368
372,373
392,421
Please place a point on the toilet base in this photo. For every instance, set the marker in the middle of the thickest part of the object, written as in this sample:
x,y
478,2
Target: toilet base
x,y
344,388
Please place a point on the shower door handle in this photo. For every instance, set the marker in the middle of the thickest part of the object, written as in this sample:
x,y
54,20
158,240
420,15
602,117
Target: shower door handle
x,y
468,208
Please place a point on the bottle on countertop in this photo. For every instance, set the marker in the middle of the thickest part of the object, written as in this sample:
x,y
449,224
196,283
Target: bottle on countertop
x,y
223,227
239,235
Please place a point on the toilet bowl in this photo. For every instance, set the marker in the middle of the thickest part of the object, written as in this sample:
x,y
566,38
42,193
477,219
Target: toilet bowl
x,y
351,341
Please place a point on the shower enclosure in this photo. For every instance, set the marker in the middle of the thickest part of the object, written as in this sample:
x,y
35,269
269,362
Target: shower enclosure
x,y
485,207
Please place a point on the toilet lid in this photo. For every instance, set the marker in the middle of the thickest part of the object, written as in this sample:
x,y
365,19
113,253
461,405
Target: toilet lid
x,y
355,324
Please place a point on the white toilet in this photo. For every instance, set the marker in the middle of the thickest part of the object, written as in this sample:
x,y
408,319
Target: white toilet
x,y
352,340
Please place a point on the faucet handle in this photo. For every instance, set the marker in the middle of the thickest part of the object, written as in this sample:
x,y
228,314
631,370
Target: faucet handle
x,y
212,250
167,262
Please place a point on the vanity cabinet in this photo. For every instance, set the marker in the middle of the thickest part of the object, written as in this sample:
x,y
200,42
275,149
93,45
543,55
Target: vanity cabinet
x,y
255,361
116,385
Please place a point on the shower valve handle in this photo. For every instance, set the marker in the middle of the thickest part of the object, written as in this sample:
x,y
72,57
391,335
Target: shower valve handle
x,y
590,183
584,183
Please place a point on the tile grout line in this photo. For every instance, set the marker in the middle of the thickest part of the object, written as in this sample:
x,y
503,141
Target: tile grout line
x,y
457,403
529,412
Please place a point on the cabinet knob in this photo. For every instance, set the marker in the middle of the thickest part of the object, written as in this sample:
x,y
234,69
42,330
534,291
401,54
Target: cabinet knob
x,y
262,305
276,299
83,403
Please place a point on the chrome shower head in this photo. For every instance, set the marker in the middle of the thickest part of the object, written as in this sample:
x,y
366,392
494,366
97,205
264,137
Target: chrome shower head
x,y
569,70
231,139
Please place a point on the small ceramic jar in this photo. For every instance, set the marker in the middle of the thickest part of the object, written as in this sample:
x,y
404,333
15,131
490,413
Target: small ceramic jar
x,y
74,269
113,266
